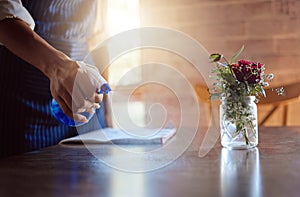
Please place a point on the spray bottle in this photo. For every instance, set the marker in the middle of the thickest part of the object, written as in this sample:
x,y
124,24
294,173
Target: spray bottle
x,y
59,114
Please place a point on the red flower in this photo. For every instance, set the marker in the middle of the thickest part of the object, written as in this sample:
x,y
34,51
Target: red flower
x,y
248,71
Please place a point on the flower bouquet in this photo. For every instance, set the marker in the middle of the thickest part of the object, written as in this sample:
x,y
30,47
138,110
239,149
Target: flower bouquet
x,y
239,85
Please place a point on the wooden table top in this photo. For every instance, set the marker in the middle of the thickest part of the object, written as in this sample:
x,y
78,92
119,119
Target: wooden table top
x,y
271,169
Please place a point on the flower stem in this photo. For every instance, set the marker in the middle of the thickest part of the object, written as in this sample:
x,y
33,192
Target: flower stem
x,y
226,61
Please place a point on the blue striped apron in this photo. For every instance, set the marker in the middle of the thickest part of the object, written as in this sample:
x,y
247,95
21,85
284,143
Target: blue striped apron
x,y
26,122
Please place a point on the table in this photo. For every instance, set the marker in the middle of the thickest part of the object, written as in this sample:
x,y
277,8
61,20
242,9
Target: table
x,y
271,169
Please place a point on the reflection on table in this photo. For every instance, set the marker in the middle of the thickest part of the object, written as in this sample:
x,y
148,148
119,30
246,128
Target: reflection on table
x,y
271,169
234,164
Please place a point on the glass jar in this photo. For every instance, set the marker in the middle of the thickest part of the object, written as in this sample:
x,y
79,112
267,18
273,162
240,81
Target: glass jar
x,y
238,122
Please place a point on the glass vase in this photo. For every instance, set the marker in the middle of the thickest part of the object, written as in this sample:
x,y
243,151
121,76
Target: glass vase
x,y
238,122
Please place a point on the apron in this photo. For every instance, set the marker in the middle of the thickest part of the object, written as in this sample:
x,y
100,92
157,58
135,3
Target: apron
x,y
26,122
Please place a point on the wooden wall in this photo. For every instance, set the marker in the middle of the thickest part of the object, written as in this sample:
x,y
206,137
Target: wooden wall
x,y
269,29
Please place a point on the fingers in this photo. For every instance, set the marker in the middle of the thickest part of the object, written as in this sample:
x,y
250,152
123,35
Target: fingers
x,y
98,97
79,118
75,91
87,107
96,106
82,94
74,113
85,86
81,102
64,107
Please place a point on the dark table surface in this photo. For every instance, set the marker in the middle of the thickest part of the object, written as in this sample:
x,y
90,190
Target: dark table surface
x,y
272,169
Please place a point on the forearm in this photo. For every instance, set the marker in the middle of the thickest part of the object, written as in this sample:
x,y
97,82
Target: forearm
x,y
20,39
17,36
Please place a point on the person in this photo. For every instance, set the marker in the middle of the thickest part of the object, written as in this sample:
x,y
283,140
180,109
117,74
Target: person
x,y
41,44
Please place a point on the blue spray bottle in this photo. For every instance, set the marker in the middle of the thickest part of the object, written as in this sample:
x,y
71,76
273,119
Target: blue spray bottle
x,y
61,117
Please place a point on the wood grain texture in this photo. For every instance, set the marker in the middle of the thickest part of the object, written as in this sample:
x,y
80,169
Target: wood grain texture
x,y
272,169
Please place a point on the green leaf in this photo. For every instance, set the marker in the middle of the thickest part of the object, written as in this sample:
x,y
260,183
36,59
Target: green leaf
x,y
236,55
215,57
262,91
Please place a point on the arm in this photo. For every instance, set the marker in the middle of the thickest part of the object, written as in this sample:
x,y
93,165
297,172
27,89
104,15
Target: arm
x,y
20,39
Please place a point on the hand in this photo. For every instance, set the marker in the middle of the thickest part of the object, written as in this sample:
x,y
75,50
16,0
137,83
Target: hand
x,y
20,39
74,86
